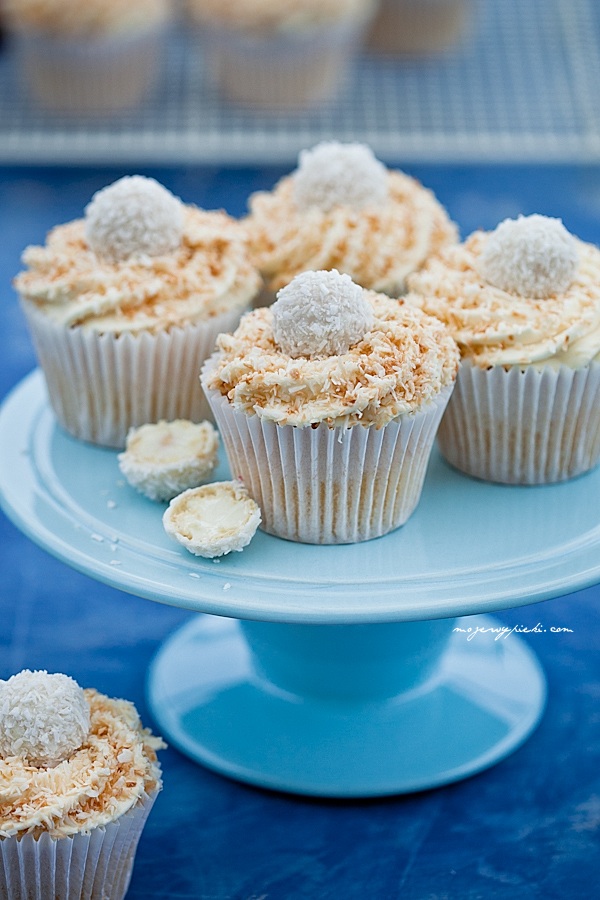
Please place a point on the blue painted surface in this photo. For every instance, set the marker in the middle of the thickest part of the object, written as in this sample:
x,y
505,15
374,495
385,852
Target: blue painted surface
x,y
527,828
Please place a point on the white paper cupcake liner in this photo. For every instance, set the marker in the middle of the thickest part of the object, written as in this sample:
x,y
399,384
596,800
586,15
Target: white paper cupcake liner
x,y
523,426
414,27
90,76
94,866
326,485
100,385
280,71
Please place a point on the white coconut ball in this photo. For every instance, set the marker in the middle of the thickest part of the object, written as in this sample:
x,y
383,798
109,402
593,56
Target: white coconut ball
x,y
43,718
320,314
135,216
332,174
533,256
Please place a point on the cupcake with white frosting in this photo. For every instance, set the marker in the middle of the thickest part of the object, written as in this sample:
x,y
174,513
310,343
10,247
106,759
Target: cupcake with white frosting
x,y
328,403
78,778
279,54
94,57
343,209
125,305
523,303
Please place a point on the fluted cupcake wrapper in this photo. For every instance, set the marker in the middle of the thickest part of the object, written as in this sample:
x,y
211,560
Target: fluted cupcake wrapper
x,y
93,866
328,485
523,426
281,70
100,385
81,76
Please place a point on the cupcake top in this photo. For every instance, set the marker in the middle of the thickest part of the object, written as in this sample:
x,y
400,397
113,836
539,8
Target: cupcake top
x,y
527,293
92,18
140,261
329,351
342,209
283,15
70,759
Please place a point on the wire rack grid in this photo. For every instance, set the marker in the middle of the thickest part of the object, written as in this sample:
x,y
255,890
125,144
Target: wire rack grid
x,y
521,86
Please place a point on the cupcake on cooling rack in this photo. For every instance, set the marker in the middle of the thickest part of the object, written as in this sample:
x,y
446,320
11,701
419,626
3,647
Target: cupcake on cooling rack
x,y
78,778
328,403
523,303
342,209
282,55
416,27
95,56
125,305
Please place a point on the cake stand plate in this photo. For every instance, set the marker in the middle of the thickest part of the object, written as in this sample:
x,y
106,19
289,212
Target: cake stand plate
x,y
345,675
216,703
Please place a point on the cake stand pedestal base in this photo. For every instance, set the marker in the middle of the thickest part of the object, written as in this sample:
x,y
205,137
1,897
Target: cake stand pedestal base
x,y
346,710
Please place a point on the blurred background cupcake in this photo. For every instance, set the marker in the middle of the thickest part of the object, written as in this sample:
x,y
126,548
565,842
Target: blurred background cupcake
x,y
328,403
523,304
419,27
97,56
282,55
78,778
125,304
341,208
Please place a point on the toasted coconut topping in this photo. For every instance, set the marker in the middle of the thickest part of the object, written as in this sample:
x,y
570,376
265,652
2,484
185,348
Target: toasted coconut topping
x,y
207,275
399,365
114,768
378,246
496,327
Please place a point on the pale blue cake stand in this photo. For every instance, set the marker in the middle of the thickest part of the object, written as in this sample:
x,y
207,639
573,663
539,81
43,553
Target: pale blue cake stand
x,y
346,674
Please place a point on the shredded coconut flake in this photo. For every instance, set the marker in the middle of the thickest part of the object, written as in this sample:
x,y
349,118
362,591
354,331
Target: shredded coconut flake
x,y
333,174
44,718
114,768
320,314
532,256
399,366
132,218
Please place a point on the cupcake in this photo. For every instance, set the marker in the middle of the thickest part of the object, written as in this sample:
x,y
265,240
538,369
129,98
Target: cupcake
x,y
342,209
93,57
279,55
125,305
416,27
78,778
328,403
523,303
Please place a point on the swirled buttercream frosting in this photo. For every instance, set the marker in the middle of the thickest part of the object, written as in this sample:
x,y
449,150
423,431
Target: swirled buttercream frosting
x,y
112,770
498,327
378,245
400,364
209,273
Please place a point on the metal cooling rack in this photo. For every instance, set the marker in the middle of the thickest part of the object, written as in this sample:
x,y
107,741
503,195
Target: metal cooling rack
x,y
522,86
